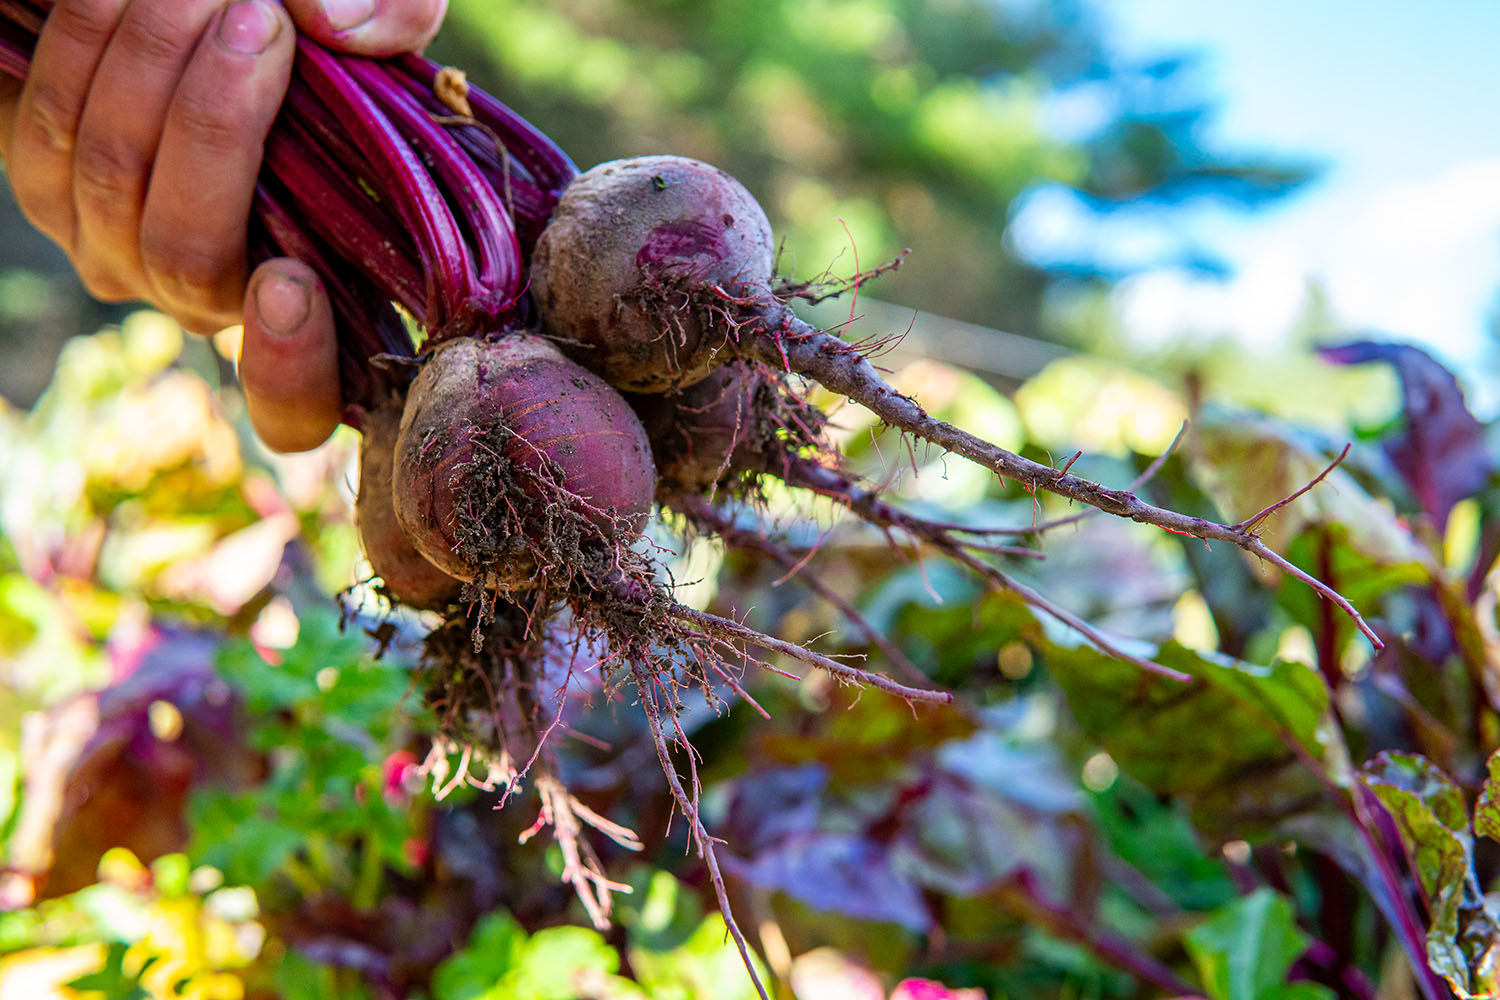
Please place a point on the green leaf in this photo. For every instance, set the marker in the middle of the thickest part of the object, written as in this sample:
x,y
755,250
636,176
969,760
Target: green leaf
x,y
1487,809
556,963
1235,743
1337,531
1243,952
494,949
1429,810
560,963
1248,464
1463,935
658,914
112,980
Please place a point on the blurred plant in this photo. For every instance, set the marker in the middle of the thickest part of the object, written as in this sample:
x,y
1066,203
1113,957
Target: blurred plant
x,y
1071,825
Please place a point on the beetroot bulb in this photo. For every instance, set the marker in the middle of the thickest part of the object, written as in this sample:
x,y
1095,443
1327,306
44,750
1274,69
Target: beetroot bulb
x,y
622,268
406,575
738,421
512,463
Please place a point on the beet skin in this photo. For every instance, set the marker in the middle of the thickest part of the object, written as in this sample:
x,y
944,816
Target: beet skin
x,y
634,259
408,577
512,461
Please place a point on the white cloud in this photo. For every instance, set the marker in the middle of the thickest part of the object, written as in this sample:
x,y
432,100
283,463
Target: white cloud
x,y
1258,304
1417,260
1424,260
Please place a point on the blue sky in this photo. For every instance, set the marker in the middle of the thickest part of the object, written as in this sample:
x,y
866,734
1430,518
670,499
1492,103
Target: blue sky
x,y
1400,102
1387,89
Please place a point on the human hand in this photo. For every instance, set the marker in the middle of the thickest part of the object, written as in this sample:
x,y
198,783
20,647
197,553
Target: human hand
x,y
135,143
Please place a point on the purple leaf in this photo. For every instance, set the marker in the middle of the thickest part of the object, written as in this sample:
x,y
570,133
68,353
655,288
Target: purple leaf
x,y
775,805
1441,455
842,874
113,768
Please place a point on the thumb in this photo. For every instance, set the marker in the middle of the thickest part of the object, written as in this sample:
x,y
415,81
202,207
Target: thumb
x,y
289,357
369,27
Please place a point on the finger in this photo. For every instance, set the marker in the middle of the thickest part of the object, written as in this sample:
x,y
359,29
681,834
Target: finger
x,y
194,225
289,357
39,154
369,27
118,134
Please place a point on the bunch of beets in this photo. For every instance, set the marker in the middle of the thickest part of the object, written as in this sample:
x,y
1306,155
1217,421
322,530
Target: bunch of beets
x,y
596,346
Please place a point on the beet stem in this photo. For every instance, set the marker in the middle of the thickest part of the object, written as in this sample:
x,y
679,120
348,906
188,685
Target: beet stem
x,y
546,161
355,225
843,369
489,224
446,257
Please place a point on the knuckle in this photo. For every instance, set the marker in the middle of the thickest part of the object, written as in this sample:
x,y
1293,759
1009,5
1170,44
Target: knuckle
x,y
210,125
204,324
53,112
197,281
46,212
88,23
428,18
102,282
155,37
106,173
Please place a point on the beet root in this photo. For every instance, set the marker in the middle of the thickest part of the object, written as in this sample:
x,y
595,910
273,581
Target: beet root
x,y
512,462
630,263
406,576
719,433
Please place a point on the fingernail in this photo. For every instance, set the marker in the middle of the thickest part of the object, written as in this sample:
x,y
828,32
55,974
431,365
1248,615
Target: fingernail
x,y
345,14
282,304
248,27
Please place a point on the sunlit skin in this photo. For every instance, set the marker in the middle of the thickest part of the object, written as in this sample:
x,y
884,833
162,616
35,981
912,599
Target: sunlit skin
x,y
134,144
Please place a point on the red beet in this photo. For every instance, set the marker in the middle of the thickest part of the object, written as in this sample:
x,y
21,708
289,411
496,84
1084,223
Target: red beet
x,y
513,461
406,575
632,259
736,421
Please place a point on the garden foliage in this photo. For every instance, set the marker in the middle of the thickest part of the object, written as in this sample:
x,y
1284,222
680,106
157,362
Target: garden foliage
x,y
221,781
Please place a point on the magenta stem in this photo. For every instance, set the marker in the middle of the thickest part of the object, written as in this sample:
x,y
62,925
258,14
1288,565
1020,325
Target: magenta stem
x,y
357,227
547,163
500,274
450,268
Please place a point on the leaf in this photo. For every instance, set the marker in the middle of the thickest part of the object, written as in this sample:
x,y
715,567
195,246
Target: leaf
x,y
1244,951
561,963
962,839
1247,464
1441,454
785,801
839,873
494,949
1239,604
1235,744
1487,809
1463,938
112,980
1154,837
707,966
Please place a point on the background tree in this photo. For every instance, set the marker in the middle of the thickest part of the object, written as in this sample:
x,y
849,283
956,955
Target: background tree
x,y
919,125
